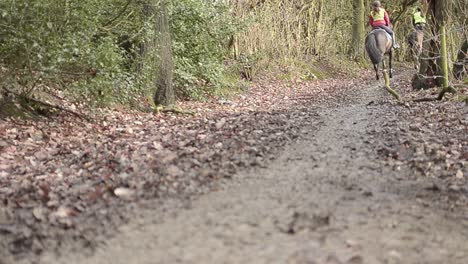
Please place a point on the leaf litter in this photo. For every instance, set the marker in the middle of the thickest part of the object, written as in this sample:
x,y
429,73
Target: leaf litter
x,y
67,180
430,138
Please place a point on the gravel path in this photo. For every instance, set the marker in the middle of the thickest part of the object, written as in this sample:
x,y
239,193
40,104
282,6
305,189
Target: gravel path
x,y
326,199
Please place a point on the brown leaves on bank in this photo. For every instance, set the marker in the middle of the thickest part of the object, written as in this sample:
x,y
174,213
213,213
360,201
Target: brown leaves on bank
x,y
432,139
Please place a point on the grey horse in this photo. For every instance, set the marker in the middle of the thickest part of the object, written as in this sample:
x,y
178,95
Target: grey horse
x,y
379,43
415,41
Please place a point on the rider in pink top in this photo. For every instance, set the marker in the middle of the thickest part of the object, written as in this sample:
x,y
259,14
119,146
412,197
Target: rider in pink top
x,y
379,18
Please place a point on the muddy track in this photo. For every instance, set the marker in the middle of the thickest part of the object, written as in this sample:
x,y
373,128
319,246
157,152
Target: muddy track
x,y
326,199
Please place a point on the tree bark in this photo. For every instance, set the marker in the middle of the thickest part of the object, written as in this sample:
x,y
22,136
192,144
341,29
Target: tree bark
x,y
145,46
165,69
357,47
431,67
444,57
459,68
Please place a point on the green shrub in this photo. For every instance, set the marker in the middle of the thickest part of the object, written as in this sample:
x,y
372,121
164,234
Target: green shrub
x,y
102,50
201,32
57,40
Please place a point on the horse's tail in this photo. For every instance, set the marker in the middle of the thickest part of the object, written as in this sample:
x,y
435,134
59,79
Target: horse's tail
x,y
373,50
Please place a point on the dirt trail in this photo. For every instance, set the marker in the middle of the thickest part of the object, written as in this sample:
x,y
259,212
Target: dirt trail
x,y
326,199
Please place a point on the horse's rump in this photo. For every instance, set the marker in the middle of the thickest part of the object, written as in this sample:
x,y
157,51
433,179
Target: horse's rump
x,y
415,38
378,42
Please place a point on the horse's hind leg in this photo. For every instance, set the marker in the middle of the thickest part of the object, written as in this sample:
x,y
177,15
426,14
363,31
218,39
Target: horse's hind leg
x,y
376,68
415,57
390,55
418,57
415,61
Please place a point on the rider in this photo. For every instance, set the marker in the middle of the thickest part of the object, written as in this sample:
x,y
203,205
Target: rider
x,y
379,18
419,20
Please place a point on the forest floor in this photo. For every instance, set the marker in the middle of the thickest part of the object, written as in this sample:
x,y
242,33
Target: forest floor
x,y
331,171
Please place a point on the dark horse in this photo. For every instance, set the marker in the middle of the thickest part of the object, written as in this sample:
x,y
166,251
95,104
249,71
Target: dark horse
x,y
379,43
415,41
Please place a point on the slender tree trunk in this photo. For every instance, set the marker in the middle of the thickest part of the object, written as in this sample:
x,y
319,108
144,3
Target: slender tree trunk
x,y
442,13
319,30
444,57
444,63
459,69
357,50
164,88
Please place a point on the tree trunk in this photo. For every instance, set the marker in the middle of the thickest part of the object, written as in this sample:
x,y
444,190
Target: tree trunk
x,y
357,47
164,89
145,46
459,67
444,57
431,60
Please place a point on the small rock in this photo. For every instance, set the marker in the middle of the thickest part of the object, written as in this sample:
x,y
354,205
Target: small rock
x,y
3,144
433,187
353,244
454,188
224,102
394,257
124,193
62,212
459,175
201,137
174,171
124,175
355,260
41,155
221,123
206,173
13,131
332,259
157,146
39,214
52,203
5,216
169,157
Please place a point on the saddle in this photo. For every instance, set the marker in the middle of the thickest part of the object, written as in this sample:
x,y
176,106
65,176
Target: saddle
x,y
381,29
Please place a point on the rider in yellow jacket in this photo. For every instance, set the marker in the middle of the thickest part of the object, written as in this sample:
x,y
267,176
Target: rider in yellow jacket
x,y
419,20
